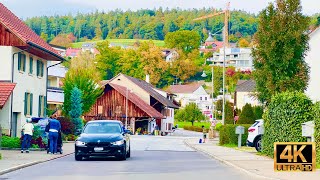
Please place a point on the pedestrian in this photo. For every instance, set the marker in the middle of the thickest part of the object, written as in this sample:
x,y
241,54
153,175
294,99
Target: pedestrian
x,y
204,131
27,130
54,129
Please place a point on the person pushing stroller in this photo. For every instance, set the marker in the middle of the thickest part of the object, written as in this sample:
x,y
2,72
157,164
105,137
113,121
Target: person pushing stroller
x,y
54,130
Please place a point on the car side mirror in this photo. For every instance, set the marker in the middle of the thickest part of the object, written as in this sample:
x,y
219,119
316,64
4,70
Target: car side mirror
x,y
127,131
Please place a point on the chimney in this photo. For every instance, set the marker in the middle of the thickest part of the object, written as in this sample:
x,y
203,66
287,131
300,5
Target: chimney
x,y
147,78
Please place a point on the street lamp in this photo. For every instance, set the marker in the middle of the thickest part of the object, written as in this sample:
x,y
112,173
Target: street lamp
x,y
212,90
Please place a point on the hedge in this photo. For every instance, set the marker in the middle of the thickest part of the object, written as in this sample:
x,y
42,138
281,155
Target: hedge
x,y
228,134
317,130
247,115
283,118
194,128
10,142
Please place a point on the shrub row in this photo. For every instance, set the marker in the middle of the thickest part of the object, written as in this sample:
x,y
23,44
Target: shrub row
x,y
10,142
228,134
194,128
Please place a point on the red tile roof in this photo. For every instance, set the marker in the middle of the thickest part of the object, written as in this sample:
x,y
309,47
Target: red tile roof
x,y
186,88
6,89
138,101
22,31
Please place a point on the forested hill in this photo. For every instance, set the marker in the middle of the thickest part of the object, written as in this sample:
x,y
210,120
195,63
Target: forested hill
x,y
142,24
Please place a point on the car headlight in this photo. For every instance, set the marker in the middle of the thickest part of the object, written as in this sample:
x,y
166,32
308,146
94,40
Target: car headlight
x,y
118,142
80,143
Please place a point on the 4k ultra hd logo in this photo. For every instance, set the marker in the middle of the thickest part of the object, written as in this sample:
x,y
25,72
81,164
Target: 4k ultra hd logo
x,y
292,156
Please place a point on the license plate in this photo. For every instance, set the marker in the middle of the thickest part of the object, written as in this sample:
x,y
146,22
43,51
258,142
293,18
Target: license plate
x,y
98,149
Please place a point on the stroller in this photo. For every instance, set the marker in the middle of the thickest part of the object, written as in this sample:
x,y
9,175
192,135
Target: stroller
x,y
59,144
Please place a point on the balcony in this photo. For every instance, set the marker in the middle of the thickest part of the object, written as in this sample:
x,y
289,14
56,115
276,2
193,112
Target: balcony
x,y
55,95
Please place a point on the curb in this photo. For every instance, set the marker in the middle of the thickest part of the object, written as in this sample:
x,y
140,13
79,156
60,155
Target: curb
x,y
19,149
30,164
254,175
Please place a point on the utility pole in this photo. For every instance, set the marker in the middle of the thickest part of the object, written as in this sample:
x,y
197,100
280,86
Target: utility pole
x,y
226,13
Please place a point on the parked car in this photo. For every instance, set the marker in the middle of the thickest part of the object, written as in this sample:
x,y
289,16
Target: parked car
x,y
255,133
103,138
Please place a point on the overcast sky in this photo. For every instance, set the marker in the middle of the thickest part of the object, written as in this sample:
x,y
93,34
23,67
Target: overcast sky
x,y
30,8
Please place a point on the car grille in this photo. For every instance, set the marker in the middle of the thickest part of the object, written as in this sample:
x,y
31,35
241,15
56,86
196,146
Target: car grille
x,y
95,144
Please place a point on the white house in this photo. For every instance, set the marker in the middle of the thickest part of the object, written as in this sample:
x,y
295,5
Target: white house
x,y
240,58
312,59
24,57
193,93
170,54
245,93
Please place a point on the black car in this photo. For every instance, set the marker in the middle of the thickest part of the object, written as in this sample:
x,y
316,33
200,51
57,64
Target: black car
x,y
103,138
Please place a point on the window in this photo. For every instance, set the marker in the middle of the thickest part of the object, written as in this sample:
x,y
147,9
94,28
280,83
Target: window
x,y
205,98
28,98
42,105
30,65
21,62
200,98
40,67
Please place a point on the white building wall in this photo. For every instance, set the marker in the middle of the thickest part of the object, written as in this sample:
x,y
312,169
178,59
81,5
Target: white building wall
x,y
26,82
5,117
6,61
313,61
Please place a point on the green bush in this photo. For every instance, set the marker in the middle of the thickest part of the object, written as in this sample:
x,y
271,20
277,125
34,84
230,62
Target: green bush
x,y
194,128
247,116
218,126
228,134
35,146
258,112
283,118
317,130
10,142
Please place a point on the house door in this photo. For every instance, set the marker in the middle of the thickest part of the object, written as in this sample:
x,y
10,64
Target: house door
x,y
14,124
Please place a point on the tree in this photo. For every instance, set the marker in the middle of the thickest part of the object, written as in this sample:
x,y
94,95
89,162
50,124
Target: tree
x,y
107,59
61,40
247,116
76,107
44,36
184,40
258,112
243,43
190,113
228,111
84,75
281,42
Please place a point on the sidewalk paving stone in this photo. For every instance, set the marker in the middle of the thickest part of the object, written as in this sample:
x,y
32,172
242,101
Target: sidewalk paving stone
x,y
14,159
248,162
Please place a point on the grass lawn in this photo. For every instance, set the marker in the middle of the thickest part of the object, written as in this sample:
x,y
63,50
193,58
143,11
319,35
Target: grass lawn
x,y
318,166
198,124
127,42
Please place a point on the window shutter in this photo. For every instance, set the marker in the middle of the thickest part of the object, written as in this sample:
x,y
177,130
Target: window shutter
x,y
25,103
42,68
31,102
19,61
45,106
24,62
38,68
39,109
31,65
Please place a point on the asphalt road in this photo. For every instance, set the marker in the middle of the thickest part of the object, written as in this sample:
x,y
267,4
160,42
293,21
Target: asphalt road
x,y
151,158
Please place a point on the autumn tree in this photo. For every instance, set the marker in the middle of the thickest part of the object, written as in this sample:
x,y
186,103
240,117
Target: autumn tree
x,y
61,40
281,43
44,36
184,40
190,113
243,43
84,75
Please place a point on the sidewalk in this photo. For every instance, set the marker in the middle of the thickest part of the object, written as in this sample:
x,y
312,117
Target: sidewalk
x,y
13,159
259,167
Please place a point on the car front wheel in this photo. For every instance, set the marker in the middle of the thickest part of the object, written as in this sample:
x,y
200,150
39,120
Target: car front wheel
x,y
258,144
78,158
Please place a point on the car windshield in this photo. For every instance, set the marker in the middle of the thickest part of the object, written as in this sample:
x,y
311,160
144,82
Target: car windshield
x,y
257,122
102,128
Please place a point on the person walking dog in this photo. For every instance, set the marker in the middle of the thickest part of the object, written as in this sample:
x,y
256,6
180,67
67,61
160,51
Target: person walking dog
x,y
27,130
54,128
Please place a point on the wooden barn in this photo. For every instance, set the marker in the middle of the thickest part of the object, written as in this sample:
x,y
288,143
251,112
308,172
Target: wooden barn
x,y
112,105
